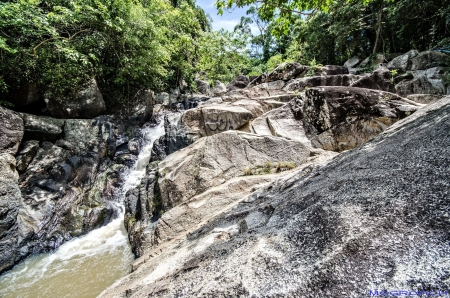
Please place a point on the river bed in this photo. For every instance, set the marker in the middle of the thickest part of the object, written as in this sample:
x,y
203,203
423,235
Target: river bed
x,y
84,266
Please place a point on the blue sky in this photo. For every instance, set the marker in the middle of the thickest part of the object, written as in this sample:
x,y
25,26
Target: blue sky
x,y
228,20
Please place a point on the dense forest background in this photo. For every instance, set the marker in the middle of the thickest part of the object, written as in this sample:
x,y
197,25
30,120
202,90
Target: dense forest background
x,y
131,45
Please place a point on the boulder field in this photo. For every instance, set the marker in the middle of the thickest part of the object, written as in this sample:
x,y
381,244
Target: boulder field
x,y
305,181
371,219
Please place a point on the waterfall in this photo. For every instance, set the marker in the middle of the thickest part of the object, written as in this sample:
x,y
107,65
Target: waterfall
x,y
84,266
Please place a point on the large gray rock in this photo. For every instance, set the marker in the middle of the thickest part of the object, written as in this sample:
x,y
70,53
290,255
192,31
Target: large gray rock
x,y
352,62
429,81
329,80
42,128
335,118
372,219
429,59
11,131
183,129
380,79
342,118
403,62
212,119
213,160
87,103
203,87
283,122
10,197
219,88
239,82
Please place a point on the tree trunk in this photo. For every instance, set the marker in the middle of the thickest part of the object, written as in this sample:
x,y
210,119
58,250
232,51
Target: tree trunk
x,y
378,32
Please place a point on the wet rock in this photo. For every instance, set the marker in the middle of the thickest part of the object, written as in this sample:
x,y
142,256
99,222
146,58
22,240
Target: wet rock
x,y
26,154
148,99
11,131
10,198
369,216
190,102
42,128
88,103
175,138
67,190
142,209
95,136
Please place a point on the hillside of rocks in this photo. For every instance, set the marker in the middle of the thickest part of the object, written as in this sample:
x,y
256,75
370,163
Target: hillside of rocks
x,y
215,180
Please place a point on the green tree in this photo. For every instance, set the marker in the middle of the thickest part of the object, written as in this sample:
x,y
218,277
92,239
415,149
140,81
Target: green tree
x,y
126,45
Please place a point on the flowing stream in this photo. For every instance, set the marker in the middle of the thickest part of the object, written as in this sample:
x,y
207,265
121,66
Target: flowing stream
x,y
84,266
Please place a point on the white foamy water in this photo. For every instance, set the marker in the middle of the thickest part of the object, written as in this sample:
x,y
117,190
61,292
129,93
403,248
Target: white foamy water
x,y
84,266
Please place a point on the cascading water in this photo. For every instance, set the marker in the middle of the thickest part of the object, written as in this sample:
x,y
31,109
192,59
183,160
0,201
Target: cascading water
x,y
84,266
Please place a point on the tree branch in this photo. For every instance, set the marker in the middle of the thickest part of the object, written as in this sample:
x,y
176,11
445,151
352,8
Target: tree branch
x,y
54,38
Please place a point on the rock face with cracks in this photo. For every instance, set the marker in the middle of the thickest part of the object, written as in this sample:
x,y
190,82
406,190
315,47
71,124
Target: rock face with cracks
x,y
213,160
373,218
335,118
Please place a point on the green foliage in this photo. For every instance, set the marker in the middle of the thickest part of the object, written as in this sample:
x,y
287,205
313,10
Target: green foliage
x,y
222,55
269,168
334,31
126,45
